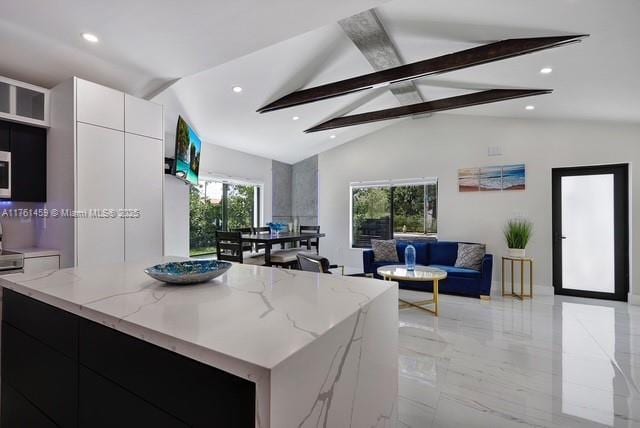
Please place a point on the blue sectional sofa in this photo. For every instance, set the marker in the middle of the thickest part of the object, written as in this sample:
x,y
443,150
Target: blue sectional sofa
x,y
441,255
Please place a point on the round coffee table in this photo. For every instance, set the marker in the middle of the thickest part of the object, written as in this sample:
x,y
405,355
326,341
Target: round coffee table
x,y
420,274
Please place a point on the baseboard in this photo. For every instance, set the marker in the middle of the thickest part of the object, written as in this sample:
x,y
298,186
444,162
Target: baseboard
x,y
633,299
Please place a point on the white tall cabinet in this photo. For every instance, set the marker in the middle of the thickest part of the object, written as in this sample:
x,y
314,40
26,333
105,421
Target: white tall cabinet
x,y
113,145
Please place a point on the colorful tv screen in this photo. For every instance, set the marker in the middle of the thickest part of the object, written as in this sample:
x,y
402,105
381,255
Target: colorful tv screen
x,y
188,147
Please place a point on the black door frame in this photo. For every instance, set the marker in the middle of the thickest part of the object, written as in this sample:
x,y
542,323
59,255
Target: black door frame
x,y
621,233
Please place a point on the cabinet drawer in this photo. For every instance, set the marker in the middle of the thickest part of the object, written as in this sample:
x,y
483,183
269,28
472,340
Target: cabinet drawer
x,y
18,412
195,393
99,105
41,264
43,376
103,404
52,326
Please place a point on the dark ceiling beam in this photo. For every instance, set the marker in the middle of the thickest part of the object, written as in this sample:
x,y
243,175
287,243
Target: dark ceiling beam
x,y
477,98
455,61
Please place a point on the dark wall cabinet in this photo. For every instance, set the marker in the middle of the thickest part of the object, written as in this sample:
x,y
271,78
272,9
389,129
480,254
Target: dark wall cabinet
x,y
28,146
60,370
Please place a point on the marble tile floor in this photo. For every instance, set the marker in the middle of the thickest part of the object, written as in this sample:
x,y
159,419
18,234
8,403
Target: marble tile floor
x,y
548,362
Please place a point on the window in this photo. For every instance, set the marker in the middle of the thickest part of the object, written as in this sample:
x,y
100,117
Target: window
x,y
399,209
217,205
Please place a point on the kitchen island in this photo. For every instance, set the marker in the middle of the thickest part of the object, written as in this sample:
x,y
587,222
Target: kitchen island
x,y
263,347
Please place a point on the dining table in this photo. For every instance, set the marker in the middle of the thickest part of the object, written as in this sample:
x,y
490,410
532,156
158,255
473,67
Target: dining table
x,y
268,239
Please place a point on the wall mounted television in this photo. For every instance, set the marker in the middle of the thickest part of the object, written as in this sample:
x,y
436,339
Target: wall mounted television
x,y
188,149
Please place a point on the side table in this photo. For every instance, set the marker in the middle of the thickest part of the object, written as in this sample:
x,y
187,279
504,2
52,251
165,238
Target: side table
x,y
522,261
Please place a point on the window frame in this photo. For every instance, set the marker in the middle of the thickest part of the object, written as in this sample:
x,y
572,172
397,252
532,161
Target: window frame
x,y
391,184
258,202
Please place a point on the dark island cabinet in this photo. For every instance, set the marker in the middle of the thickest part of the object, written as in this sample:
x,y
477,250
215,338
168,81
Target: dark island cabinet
x,y
61,370
28,147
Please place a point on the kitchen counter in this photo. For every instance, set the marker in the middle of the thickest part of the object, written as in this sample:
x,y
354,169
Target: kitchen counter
x,y
32,252
320,349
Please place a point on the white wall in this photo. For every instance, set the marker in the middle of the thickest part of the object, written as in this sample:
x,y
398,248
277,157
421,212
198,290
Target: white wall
x,y
217,161
176,217
222,162
439,145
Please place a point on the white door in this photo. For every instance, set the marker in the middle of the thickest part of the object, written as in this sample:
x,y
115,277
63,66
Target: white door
x,y
587,233
100,189
590,222
144,174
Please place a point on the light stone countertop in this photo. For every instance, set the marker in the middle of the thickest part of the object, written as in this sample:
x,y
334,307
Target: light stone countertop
x,y
253,314
33,252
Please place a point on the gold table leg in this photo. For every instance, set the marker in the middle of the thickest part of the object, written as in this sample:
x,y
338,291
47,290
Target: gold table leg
x,y
521,295
420,304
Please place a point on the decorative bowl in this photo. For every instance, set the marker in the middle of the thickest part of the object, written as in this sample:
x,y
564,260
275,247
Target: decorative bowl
x,y
188,272
276,227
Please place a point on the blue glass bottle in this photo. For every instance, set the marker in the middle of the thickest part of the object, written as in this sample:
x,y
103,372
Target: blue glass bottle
x,y
410,257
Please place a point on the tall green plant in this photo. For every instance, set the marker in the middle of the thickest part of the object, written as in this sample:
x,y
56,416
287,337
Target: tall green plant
x,y
518,232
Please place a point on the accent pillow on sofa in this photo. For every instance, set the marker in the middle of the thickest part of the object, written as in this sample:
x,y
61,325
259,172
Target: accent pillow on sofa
x,y
470,256
384,251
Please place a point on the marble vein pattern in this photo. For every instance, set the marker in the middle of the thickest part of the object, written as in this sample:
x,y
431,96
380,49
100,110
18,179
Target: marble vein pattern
x,y
548,362
326,342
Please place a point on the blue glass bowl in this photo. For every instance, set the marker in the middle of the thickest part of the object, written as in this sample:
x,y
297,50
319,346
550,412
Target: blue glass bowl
x,y
188,272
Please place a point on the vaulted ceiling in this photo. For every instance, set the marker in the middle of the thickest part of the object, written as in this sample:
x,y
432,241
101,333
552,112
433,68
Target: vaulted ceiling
x,y
198,53
592,80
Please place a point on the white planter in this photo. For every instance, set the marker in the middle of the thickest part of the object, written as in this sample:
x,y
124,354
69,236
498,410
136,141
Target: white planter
x,y
517,252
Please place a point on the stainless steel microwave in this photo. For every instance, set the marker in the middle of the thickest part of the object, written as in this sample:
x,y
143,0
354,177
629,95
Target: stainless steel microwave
x,y
5,174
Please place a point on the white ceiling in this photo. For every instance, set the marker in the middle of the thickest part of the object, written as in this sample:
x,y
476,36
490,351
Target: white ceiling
x,y
256,45
146,43
595,79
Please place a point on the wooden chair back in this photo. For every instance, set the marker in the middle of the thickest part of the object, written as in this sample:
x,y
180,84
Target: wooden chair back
x,y
229,246
311,242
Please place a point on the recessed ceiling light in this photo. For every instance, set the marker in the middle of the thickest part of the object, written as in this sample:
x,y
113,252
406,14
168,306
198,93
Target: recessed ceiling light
x,y
332,136
530,107
92,38
295,118
546,70
237,89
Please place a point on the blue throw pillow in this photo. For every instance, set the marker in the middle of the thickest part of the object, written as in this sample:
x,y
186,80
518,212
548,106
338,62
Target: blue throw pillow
x,y
444,253
422,251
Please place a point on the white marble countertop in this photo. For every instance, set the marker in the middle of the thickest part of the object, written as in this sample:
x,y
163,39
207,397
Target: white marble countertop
x,y
32,252
254,315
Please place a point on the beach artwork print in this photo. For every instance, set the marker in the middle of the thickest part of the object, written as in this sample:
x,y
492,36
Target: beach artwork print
x,y
491,178
468,179
513,177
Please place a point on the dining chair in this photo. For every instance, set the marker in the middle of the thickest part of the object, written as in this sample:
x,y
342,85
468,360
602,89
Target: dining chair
x,y
229,247
246,246
257,230
310,262
310,242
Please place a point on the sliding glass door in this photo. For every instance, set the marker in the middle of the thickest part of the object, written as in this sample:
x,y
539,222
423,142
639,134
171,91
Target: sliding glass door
x,y
400,210
217,205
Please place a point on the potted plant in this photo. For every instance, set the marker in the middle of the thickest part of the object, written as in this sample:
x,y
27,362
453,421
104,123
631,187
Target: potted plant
x,y
518,232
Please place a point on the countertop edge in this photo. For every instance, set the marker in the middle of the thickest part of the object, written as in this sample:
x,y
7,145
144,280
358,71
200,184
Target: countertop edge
x,y
235,366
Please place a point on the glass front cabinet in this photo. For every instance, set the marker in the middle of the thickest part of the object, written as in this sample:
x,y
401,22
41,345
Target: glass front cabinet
x,y
23,102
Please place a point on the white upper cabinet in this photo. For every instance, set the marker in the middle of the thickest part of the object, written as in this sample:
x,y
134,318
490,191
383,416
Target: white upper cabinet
x,y
22,102
99,105
143,117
